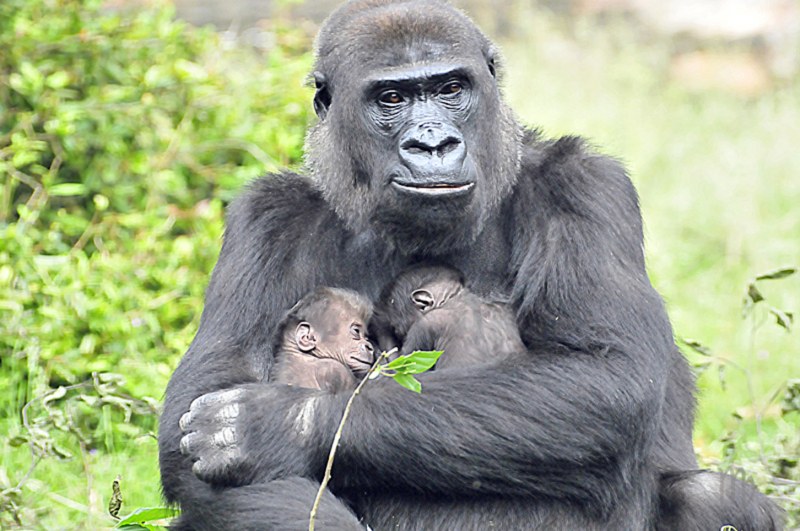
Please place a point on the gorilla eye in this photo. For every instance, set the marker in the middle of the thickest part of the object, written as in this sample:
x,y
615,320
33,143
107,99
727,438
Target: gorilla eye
x,y
391,97
453,87
355,331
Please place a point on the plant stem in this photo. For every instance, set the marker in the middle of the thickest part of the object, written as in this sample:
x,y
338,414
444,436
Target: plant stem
x,y
337,436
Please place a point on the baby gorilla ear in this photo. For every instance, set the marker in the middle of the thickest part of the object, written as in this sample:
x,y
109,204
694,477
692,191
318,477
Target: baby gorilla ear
x,y
422,299
304,337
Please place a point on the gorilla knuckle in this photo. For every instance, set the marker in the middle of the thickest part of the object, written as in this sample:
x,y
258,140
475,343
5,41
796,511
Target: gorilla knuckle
x,y
225,437
202,470
186,421
228,413
224,396
190,443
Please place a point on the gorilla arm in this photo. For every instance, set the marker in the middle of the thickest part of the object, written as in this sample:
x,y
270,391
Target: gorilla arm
x,y
534,426
243,306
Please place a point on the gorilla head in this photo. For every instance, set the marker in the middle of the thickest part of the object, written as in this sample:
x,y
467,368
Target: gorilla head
x,y
413,138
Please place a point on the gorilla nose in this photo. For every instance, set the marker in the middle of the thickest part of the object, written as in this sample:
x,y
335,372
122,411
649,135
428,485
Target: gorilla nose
x,y
432,148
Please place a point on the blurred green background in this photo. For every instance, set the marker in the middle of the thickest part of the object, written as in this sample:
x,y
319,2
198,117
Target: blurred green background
x,y
124,132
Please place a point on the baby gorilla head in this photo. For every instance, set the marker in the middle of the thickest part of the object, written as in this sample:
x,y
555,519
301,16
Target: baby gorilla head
x,y
322,344
411,295
429,308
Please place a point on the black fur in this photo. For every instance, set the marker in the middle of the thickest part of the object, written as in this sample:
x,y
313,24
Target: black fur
x,y
576,435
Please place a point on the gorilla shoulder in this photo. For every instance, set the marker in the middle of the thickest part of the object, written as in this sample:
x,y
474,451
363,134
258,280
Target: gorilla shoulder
x,y
567,176
276,196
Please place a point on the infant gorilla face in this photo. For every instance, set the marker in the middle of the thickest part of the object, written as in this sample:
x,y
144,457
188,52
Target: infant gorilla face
x,y
322,343
337,332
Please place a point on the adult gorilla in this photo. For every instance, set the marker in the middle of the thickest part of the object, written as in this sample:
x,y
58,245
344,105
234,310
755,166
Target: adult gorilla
x,y
416,157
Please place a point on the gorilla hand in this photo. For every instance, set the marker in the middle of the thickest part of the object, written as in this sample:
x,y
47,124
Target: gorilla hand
x,y
259,432
210,436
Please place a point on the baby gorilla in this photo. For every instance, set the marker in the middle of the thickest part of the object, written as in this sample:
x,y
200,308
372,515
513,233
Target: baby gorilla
x,y
322,343
429,308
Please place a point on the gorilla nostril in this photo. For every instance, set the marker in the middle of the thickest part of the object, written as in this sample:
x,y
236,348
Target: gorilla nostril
x,y
417,148
447,146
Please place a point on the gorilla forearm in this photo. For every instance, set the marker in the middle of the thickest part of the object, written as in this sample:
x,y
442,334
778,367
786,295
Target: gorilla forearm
x,y
452,439
509,429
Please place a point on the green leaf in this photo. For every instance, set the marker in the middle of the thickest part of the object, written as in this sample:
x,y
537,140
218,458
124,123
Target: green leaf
x,y
777,274
791,398
415,363
190,71
399,364
754,294
784,319
67,189
144,515
408,381
58,79
18,440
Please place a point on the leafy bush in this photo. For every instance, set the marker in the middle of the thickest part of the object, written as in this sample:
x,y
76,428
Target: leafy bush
x,y
122,135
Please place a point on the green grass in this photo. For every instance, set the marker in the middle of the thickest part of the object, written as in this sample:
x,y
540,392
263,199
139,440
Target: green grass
x,y
74,494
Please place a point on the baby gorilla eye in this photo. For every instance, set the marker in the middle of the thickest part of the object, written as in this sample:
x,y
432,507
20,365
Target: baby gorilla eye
x,y
391,97
356,331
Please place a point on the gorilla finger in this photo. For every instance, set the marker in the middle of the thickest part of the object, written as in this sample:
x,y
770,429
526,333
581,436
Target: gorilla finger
x,y
228,414
225,437
224,396
186,421
190,443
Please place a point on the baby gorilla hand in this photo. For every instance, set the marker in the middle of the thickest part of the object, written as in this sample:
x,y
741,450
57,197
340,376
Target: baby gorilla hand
x,y
210,437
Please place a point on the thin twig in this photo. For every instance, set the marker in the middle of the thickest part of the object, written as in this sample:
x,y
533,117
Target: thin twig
x,y
327,477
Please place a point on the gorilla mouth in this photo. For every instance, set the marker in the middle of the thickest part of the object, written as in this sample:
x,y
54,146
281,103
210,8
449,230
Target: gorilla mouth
x,y
360,366
434,189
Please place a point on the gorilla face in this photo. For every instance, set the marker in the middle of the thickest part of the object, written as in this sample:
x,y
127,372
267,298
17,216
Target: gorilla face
x,y
413,139
422,111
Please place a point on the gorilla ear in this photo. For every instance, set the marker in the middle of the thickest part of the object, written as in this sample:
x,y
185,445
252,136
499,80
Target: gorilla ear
x,y
304,337
491,62
322,98
422,299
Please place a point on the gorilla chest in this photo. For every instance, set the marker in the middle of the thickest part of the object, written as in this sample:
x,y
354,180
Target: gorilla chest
x,y
367,265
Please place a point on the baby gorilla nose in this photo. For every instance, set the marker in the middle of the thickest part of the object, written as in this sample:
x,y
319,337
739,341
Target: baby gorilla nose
x,y
366,356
